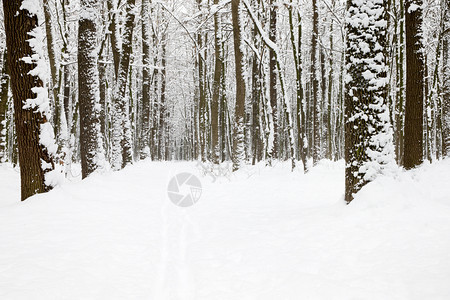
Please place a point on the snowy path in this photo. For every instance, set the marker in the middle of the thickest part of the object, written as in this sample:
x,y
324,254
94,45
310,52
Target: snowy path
x,y
266,234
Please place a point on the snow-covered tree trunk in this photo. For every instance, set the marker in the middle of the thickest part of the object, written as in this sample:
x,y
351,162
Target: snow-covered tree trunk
x,y
145,135
273,79
114,33
446,81
216,88
301,103
415,74
4,89
51,57
24,38
330,131
399,107
163,112
238,134
121,143
368,135
91,148
315,84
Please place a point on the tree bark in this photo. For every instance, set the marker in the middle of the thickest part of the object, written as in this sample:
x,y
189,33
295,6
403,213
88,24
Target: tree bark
x,y
4,89
89,90
145,135
114,36
315,85
273,79
301,105
121,155
368,139
415,73
35,158
215,148
54,86
446,82
238,134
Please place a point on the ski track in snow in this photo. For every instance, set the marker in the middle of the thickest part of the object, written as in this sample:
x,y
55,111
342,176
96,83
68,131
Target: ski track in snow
x,y
265,234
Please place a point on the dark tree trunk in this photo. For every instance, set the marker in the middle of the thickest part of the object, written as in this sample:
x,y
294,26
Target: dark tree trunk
x,y
315,85
446,82
400,113
114,33
145,135
415,73
54,86
273,79
238,134
301,105
88,90
4,88
163,142
216,89
32,153
331,132
121,122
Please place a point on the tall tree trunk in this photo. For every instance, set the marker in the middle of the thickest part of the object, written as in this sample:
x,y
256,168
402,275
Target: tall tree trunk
x,y
273,80
415,73
446,81
114,32
331,132
400,113
315,84
145,135
368,136
223,114
215,148
34,132
54,86
301,105
121,152
163,132
4,89
103,89
238,134
91,148
323,115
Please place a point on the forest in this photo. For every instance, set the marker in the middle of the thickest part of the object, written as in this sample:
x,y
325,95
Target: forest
x,y
334,97
261,81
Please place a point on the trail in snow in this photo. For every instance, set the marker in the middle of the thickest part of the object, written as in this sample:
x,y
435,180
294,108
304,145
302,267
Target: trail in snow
x,y
266,233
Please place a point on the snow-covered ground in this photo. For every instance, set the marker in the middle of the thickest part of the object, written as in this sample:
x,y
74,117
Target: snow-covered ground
x,y
263,233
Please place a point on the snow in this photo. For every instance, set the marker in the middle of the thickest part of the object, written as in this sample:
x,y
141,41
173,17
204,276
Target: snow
x,y
263,233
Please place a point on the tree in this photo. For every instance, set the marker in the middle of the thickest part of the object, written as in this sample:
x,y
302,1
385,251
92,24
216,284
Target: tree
x,y
215,147
446,81
145,136
301,103
415,74
4,89
91,148
368,135
315,84
238,134
273,79
51,53
31,103
121,150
